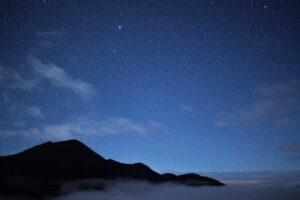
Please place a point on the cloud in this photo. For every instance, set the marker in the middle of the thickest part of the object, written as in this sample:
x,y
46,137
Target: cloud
x,y
21,83
82,128
127,190
51,72
285,122
8,133
280,90
5,97
171,146
16,81
255,176
186,108
293,159
1,73
45,43
59,78
249,182
46,40
290,147
35,112
13,109
18,124
160,127
275,103
49,33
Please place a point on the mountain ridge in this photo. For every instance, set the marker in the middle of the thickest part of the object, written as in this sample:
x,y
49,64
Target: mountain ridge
x,y
72,160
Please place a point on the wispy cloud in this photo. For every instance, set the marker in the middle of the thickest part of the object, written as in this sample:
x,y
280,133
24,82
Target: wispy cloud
x,y
1,73
16,81
293,159
59,78
159,127
8,133
83,127
275,102
248,176
46,71
18,124
285,122
21,83
49,33
291,148
13,109
46,40
35,112
186,108
249,182
5,97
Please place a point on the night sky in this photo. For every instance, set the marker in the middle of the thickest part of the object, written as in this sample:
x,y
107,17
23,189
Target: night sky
x,y
178,85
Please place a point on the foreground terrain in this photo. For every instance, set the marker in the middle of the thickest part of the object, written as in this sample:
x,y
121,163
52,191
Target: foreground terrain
x,y
43,170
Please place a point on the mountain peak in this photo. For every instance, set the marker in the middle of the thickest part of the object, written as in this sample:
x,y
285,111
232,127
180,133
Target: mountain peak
x,y
68,150
71,159
64,142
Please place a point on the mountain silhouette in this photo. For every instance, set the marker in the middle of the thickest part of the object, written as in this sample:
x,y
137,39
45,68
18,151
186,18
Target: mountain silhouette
x,y
191,179
53,162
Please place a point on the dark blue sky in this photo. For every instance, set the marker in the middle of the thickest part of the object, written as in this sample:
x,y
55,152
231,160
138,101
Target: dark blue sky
x,y
178,85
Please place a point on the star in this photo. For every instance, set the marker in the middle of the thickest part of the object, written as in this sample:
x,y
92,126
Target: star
x,y
120,27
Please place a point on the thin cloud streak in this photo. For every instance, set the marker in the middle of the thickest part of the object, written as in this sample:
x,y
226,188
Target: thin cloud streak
x,y
16,81
290,147
285,122
5,98
83,128
35,112
46,71
59,78
276,101
186,108
49,33
293,159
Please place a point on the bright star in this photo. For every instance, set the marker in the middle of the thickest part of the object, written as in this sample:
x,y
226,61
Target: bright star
x,y
120,27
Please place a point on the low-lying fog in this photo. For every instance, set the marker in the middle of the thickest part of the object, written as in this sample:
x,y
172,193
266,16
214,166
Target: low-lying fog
x,y
123,190
129,190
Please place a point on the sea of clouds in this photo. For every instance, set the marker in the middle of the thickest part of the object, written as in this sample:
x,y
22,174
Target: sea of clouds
x,y
129,190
